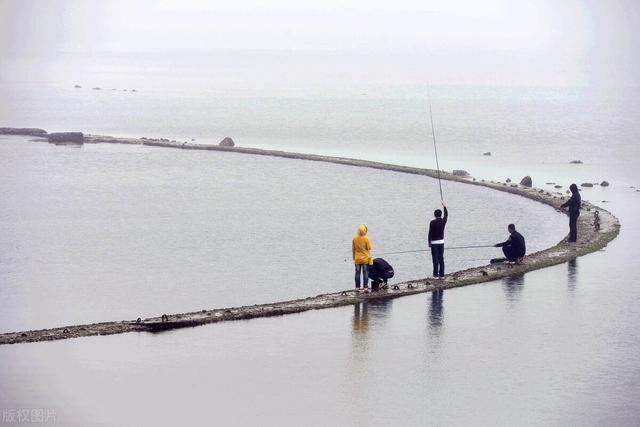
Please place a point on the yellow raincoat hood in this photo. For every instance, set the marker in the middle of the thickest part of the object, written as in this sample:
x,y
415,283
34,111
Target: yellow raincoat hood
x,y
361,246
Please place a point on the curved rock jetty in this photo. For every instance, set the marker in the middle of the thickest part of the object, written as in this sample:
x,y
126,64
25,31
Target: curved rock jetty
x,y
590,240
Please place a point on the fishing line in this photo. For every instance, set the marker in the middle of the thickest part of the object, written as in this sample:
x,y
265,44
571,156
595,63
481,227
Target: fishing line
x,y
435,149
428,249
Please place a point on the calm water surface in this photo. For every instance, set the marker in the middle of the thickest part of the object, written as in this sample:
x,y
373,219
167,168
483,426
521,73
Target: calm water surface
x,y
553,347
110,232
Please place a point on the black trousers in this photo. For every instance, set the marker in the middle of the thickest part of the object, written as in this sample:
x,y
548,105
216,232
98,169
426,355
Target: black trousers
x,y
509,253
573,226
437,256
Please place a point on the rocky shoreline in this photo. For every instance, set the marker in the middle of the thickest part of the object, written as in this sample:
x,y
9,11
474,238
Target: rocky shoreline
x,y
591,240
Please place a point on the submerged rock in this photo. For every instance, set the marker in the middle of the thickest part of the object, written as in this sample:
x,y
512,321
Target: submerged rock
x,y
508,179
96,88
66,138
526,181
576,162
604,184
78,87
557,186
586,184
488,153
23,131
227,142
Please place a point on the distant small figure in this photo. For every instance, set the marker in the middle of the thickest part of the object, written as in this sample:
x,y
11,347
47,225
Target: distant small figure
x,y
596,221
436,241
360,249
574,204
379,272
514,248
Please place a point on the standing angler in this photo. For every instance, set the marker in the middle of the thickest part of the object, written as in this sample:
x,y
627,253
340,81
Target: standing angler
x,y
436,241
360,247
574,212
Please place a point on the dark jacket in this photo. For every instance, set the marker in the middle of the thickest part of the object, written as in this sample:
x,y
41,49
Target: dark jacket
x,y
436,227
574,204
381,269
516,241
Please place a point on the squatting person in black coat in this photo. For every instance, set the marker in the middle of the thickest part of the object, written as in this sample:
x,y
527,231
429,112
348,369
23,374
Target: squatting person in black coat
x,y
436,241
380,272
573,204
514,247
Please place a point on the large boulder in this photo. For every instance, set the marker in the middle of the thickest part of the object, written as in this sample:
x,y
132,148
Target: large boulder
x,y
487,153
227,142
460,172
604,184
526,181
66,138
586,184
576,162
23,131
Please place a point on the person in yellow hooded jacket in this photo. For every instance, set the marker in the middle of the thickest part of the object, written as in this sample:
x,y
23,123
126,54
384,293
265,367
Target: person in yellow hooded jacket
x,y
360,246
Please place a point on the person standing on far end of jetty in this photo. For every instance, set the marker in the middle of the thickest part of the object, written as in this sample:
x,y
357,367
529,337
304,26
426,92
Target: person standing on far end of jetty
x,y
574,204
360,248
436,241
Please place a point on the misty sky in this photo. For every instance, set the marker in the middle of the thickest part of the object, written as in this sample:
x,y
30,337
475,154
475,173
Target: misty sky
x,y
463,41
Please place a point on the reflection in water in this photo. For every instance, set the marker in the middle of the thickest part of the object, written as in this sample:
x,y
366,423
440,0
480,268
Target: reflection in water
x,y
513,286
572,274
365,314
435,311
360,321
362,311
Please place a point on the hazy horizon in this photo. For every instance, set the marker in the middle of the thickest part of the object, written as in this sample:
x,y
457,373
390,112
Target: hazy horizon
x,y
566,43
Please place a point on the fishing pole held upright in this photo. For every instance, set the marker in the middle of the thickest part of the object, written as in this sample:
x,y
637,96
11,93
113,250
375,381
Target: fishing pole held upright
x,y
435,149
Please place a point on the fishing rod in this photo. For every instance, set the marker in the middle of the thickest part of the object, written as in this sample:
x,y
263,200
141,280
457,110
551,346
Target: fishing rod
x,y
427,250
435,149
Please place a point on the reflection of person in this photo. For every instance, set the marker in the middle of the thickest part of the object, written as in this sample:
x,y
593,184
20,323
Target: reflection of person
x,y
379,272
360,247
514,247
360,317
436,241
574,211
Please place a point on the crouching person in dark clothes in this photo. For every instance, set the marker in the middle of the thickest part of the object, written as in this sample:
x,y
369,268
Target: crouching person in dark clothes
x,y
380,272
513,248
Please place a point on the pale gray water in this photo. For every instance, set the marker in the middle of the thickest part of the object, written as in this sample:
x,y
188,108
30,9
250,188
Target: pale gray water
x,y
556,347
111,232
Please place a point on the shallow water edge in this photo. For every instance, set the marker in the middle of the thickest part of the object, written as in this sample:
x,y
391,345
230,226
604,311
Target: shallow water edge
x,y
591,241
